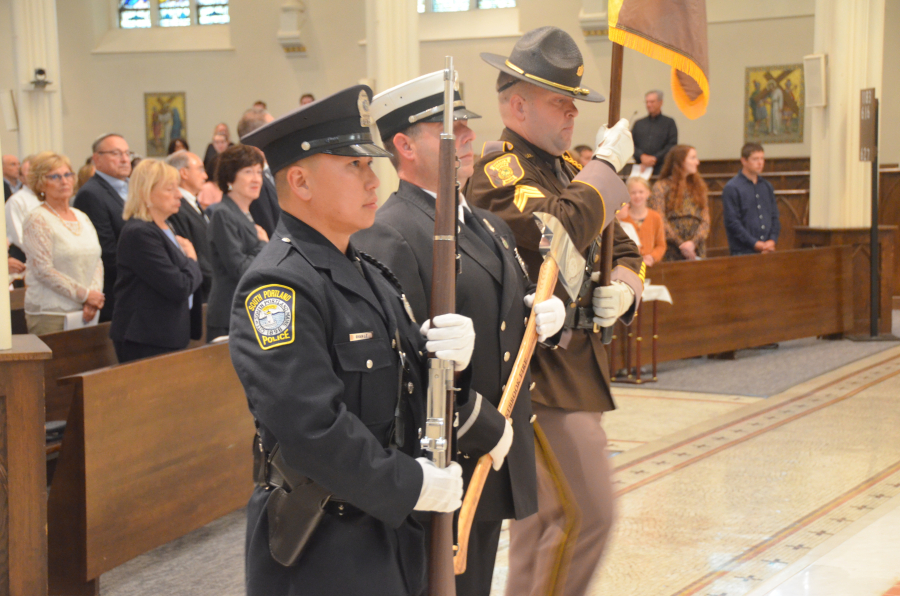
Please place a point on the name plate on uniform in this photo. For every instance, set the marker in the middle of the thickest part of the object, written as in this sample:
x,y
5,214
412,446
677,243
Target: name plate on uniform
x,y
359,336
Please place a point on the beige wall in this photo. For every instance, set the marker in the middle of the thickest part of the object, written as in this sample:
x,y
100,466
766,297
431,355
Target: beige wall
x,y
103,92
734,45
8,140
889,97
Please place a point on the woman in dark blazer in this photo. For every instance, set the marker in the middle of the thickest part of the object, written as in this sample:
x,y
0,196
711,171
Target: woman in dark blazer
x,y
158,274
234,238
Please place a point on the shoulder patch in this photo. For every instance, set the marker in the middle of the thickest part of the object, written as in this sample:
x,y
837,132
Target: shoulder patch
x,y
523,193
495,146
504,171
271,312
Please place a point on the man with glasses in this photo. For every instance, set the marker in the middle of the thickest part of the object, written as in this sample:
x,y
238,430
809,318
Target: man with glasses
x,y
102,198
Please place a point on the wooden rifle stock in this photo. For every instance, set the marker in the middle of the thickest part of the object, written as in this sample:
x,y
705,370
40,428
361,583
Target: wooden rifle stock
x,y
441,579
606,245
545,285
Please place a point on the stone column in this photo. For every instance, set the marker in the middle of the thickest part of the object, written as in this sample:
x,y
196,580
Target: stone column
x,y
851,34
36,44
392,44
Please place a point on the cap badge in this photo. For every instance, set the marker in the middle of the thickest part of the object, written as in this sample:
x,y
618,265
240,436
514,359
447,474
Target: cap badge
x,y
580,70
365,119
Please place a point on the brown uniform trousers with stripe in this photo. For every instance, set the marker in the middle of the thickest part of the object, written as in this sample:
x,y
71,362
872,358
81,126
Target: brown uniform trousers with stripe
x,y
557,550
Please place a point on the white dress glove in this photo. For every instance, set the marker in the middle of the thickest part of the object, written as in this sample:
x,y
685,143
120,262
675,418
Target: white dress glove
x,y
442,488
611,302
498,453
550,316
615,144
451,337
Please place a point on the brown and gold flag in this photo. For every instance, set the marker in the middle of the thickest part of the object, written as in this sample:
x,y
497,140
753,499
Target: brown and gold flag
x,y
671,31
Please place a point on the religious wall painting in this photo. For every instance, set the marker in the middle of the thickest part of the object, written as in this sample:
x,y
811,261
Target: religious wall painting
x,y
773,106
165,118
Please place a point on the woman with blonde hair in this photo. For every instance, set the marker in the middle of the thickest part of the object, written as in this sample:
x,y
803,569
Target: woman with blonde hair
x,y
647,222
65,273
156,309
680,197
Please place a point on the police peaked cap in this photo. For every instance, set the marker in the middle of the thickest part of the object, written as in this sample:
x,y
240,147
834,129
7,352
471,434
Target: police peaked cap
x,y
547,57
337,125
418,100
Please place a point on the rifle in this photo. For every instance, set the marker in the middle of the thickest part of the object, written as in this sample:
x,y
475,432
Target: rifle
x,y
562,260
438,427
606,244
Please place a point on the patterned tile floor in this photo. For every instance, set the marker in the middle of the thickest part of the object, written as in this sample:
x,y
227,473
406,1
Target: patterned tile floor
x,y
725,505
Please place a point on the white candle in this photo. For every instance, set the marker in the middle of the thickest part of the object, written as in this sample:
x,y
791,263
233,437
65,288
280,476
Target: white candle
x,y
5,323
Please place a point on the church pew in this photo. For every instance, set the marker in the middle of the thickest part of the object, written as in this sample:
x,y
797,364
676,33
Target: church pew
x,y
733,303
17,311
74,351
153,450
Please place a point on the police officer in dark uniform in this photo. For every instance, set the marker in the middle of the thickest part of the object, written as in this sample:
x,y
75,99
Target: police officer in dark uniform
x,y
490,289
333,366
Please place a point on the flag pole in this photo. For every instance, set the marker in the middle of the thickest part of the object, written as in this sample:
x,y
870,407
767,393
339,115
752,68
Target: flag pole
x,y
606,244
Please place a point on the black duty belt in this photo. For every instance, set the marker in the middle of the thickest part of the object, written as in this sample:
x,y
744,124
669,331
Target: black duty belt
x,y
581,317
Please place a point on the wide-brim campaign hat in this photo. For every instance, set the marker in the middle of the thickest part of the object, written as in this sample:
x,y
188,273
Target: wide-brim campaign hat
x,y
547,57
418,100
338,125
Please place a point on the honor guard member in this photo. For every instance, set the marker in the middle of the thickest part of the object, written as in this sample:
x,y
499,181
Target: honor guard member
x,y
490,289
530,170
332,362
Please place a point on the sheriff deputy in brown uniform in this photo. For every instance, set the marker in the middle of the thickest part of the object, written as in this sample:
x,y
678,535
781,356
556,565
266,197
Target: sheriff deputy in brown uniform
x,y
557,550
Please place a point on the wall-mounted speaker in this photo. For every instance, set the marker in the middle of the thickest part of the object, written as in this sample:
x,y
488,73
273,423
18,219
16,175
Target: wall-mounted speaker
x,y
814,80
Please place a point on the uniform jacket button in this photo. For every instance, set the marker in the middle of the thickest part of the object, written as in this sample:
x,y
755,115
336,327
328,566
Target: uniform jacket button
x,y
410,387
503,326
368,364
506,357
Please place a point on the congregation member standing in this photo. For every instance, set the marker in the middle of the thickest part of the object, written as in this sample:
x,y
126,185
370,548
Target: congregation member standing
x,y
654,135
557,550
158,271
749,206
647,223
19,205
234,238
491,289
220,142
102,198
190,222
334,371
64,273
679,196
265,210
12,181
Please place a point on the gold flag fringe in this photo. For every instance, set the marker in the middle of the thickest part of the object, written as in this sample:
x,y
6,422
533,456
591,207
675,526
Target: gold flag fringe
x,y
693,109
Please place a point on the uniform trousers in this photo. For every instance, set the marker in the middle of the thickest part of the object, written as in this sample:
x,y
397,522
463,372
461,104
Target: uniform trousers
x,y
482,553
556,551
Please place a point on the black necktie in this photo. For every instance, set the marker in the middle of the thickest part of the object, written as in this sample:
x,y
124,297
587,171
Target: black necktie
x,y
475,226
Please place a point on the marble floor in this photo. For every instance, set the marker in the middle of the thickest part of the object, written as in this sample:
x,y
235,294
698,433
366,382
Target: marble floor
x,y
797,494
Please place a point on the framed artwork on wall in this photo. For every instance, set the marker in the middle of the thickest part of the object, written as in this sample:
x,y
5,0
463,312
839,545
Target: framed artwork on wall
x,y
166,119
774,105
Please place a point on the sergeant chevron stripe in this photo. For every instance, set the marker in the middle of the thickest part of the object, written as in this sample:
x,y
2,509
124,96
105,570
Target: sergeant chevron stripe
x,y
523,193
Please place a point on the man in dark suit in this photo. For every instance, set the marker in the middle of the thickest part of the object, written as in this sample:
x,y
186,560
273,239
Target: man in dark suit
x,y
102,198
655,135
190,222
265,209
490,289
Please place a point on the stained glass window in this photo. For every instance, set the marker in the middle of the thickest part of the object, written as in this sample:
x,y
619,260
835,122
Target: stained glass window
x,y
174,13
496,3
134,14
450,5
212,12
